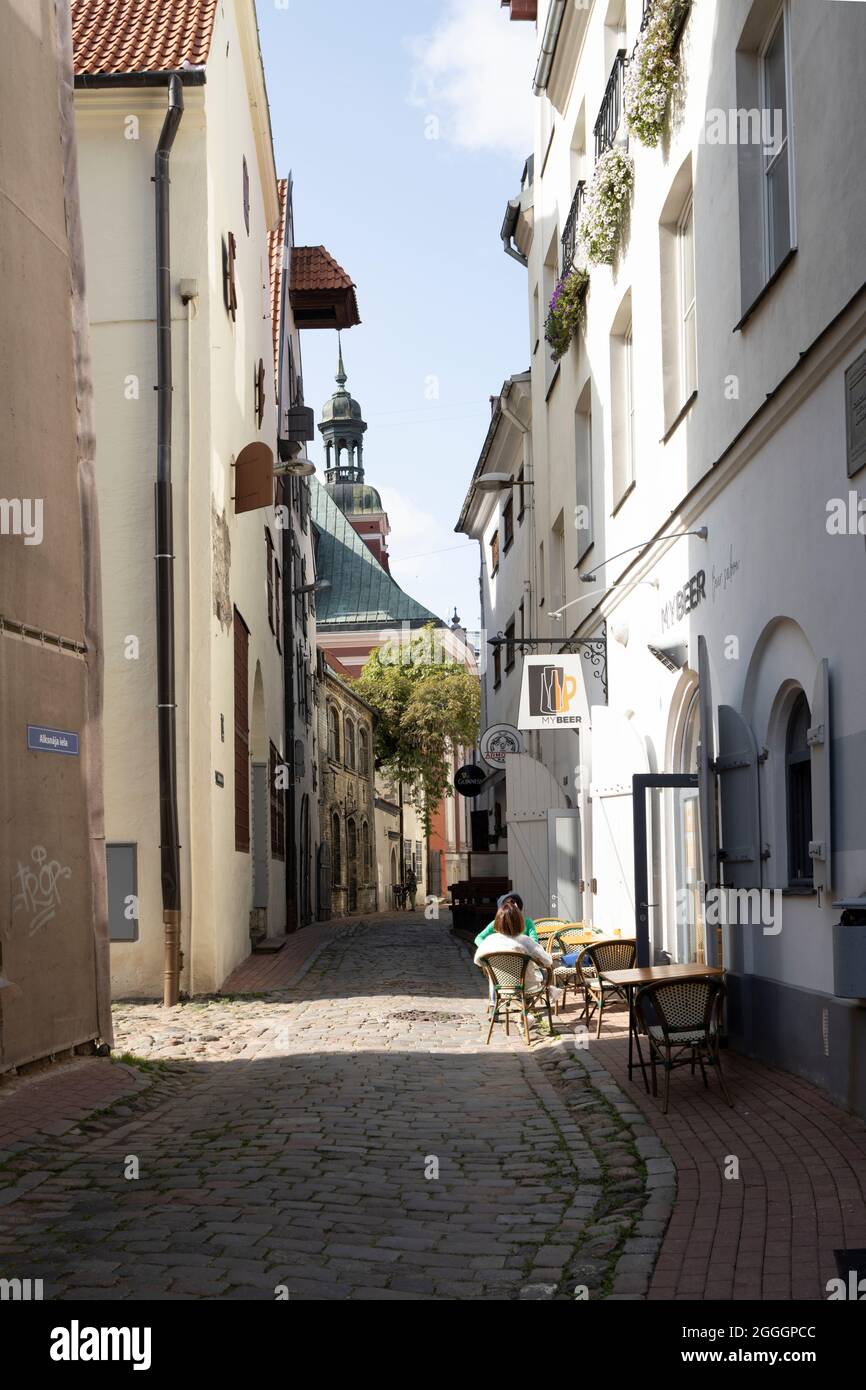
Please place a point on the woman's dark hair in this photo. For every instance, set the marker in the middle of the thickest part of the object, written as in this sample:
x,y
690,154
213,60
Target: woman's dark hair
x,y
509,920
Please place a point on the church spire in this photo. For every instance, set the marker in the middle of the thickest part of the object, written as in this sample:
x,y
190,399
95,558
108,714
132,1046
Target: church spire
x,y
341,377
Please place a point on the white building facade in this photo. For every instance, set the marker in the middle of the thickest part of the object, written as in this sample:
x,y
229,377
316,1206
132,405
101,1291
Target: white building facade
x,y
696,459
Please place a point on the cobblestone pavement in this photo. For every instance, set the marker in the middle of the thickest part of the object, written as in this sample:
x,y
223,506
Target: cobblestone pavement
x,y
348,1137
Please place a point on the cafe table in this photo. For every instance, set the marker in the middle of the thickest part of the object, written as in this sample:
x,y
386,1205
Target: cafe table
x,y
632,980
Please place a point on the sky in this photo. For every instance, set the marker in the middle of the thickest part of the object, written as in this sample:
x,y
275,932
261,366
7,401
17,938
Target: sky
x,y
405,127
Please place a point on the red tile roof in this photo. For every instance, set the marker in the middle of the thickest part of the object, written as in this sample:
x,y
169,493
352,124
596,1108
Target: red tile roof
x,y
314,268
141,35
323,295
275,262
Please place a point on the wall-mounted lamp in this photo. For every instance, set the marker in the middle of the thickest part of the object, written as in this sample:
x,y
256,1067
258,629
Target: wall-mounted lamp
x,y
589,578
319,586
300,467
500,482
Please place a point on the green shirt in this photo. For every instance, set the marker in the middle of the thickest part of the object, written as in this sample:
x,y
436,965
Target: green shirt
x,y
528,930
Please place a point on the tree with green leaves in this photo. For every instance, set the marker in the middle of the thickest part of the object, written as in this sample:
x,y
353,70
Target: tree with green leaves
x,y
425,703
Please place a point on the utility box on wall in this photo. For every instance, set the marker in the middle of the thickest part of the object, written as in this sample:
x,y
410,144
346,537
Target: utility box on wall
x,y
849,950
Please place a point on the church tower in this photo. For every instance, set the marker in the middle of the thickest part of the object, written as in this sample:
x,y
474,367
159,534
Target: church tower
x,y
342,428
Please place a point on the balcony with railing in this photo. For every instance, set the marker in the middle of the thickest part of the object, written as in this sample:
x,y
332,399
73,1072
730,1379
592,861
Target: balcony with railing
x,y
610,112
569,234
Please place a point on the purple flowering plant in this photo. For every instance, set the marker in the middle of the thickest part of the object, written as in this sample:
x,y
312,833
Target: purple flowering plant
x,y
566,311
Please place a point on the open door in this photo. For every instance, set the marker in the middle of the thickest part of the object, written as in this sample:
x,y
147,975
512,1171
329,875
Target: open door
x,y
531,793
707,793
618,754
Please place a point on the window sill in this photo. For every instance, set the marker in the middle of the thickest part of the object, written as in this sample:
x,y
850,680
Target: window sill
x,y
507,546
800,891
762,294
497,685
679,417
548,391
625,496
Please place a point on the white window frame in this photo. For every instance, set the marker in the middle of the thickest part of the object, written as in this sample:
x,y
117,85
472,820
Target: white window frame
x,y
687,311
629,432
784,151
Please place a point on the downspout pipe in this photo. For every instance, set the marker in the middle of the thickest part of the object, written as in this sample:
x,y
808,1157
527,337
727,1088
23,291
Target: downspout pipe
x,y
509,227
555,16
169,837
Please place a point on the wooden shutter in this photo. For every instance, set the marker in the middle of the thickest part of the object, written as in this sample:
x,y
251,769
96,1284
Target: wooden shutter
x,y
278,809
269,561
278,604
242,735
819,740
230,295
741,850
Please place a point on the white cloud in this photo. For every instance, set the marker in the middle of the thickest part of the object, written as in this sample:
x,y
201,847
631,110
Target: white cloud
x,y
473,72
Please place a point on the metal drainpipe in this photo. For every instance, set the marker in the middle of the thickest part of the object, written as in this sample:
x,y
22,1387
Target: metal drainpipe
x,y
169,847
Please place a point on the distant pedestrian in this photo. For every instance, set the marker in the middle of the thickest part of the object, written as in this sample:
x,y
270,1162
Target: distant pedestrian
x,y
411,887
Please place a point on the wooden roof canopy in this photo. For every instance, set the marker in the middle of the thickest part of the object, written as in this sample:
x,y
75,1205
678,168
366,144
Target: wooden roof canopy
x,y
322,294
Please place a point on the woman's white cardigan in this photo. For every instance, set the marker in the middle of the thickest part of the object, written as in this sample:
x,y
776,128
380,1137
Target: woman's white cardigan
x,y
497,942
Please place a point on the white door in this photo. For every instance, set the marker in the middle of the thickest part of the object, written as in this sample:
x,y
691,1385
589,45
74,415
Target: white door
x,y
617,754
531,792
564,858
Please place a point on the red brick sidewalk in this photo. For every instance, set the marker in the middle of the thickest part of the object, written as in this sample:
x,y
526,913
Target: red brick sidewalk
x,y
801,1190
55,1100
260,974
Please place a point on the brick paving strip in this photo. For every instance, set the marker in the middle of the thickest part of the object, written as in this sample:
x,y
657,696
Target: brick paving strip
x,y
796,1195
291,1142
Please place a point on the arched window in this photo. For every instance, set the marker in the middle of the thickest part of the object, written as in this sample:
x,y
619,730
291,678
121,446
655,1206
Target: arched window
x,y
350,744
798,787
336,865
363,752
333,733
365,851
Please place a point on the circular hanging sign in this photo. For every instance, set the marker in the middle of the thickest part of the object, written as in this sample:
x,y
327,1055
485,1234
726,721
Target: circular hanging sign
x,y
499,740
470,779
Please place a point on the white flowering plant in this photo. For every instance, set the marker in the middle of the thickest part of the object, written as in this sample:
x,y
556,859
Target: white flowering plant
x,y
652,72
604,215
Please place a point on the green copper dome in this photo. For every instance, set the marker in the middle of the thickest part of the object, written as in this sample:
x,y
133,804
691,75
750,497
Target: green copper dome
x,y
356,498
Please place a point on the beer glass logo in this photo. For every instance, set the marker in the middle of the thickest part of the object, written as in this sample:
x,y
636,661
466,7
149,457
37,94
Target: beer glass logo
x,y
551,691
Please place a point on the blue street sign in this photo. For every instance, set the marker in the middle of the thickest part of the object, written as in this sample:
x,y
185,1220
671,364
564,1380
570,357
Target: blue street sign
x,y
42,740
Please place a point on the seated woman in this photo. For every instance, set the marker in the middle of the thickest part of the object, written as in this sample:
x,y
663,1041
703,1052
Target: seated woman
x,y
507,934
528,924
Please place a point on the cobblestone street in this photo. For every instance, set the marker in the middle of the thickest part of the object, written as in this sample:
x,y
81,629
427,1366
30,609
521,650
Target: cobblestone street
x,y
347,1137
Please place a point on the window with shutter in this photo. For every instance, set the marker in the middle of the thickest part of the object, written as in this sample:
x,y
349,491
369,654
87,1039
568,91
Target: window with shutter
x,y
242,735
269,561
278,605
278,809
230,252
246,181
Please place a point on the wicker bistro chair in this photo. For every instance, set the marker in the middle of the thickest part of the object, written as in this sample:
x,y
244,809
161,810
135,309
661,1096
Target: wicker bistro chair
x,y
601,956
506,971
686,1029
564,943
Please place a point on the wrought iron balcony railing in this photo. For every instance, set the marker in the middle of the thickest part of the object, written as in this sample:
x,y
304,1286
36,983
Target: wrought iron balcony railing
x,y
610,111
569,235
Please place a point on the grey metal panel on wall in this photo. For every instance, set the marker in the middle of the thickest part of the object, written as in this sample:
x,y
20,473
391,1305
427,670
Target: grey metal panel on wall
x,y
738,769
122,864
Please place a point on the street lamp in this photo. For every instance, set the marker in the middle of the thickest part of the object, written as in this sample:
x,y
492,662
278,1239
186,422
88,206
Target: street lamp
x,y
300,467
500,482
589,577
651,583
317,587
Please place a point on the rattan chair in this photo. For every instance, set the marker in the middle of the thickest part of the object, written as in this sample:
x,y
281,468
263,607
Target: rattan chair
x,y
595,959
506,971
562,943
687,1016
